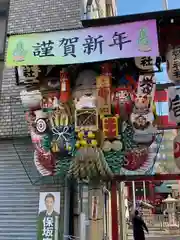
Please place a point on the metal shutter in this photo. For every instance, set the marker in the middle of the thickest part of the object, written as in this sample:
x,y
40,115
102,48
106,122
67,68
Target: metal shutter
x,y
19,199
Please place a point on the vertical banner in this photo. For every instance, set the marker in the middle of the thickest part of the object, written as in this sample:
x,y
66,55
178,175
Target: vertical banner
x,y
48,217
103,94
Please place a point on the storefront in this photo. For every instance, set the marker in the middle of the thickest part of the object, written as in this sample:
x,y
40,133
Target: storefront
x,y
67,97
90,106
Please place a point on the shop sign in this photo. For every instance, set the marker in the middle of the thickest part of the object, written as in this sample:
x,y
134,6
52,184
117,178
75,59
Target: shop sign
x,y
49,214
94,44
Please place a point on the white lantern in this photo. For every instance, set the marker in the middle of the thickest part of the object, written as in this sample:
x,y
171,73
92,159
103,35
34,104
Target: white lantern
x,y
147,85
173,63
174,104
145,63
31,99
29,74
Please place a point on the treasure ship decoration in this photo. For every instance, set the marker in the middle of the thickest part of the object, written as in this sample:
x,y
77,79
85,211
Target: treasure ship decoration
x,y
92,122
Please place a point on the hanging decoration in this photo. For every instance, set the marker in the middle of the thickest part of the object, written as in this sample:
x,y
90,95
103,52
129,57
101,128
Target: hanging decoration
x,y
142,117
96,125
103,94
174,104
31,100
145,63
64,86
122,102
172,63
29,76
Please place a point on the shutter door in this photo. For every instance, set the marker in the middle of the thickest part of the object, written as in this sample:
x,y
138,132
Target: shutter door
x,y
19,199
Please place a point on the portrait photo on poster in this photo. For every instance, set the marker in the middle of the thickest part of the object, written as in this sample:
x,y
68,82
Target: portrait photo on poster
x,y
49,204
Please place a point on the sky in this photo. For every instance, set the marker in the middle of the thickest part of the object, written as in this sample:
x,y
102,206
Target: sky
x,y
126,7
141,6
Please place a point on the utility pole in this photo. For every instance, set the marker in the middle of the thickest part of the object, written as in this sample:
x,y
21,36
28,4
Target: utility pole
x,y
165,4
134,194
144,190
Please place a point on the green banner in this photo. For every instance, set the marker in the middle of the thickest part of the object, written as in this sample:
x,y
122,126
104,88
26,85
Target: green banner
x,y
48,228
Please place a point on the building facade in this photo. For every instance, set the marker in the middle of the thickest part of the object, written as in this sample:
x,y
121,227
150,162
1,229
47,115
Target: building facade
x,y
93,9
19,198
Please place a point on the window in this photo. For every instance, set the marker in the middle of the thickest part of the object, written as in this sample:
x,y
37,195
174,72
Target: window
x,y
109,10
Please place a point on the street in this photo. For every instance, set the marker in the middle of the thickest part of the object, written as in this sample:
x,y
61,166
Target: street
x,y
157,236
164,238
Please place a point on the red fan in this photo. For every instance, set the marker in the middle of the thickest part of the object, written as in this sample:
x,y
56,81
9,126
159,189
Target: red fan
x,y
46,159
43,171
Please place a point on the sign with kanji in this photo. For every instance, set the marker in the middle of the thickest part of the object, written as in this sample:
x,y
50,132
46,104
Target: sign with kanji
x,y
174,104
49,214
145,63
93,44
103,85
110,127
173,64
28,74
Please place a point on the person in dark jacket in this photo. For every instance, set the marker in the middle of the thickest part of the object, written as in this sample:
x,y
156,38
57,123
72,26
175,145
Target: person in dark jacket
x,y
138,227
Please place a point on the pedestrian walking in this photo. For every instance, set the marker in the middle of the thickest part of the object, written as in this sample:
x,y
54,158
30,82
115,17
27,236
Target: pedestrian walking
x,y
138,227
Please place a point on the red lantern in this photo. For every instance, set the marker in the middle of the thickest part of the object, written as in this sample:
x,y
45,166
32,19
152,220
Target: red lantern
x,y
65,87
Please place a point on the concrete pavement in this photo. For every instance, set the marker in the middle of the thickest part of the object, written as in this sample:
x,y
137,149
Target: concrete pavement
x,y
150,237
157,236
164,238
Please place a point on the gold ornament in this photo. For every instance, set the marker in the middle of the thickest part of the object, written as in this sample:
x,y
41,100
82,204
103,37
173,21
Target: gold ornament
x,y
80,135
83,143
91,134
77,144
116,145
93,143
106,146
